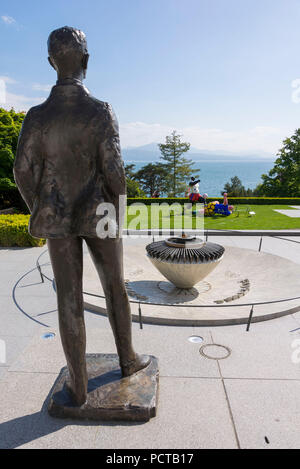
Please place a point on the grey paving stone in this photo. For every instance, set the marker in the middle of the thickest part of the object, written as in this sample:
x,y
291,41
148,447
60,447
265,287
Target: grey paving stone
x,y
177,356
13,317
41,355
14,346
192,409
263,352
289,213
3,371
17,325
266,409
47,356
192,413
25,422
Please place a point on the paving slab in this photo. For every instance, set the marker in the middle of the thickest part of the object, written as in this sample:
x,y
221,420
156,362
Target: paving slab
x,y
25,422
13,322
261,380
292,213
15,264
41,355
3,371
264,352
296,316
266,409
192,413
177,356
13,347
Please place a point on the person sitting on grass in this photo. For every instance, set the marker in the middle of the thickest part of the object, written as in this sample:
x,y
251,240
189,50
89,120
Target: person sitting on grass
x,y
217,208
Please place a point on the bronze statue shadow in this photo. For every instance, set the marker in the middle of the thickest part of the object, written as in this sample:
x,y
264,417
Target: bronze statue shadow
x,y
28,428
62,397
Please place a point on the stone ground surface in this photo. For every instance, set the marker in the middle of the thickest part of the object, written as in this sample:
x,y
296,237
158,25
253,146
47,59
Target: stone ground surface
x,y
290,213
146,284
249,400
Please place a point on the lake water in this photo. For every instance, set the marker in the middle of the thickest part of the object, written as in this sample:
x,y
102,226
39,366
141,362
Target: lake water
x,y
214,174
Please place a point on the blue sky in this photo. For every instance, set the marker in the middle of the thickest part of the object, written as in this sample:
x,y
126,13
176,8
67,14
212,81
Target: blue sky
x,y
221,72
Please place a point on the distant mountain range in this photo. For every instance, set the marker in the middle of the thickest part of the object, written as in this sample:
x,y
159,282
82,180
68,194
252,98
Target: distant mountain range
x,y
150,153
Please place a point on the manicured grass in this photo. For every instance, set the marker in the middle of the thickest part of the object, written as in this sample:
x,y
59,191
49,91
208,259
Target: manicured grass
x,y
265,218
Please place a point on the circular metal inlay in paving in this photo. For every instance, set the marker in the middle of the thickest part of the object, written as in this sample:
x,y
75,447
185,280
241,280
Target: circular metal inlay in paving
x,y
215,351
195,339
48,335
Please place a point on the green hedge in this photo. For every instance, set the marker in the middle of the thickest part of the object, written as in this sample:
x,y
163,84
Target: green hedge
x,y
232,200
14,232
11,197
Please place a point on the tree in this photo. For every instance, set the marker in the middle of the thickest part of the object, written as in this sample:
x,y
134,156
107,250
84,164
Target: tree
x,y
6,163
179,169
132,186
151,177
283,180
235,188
129,170
10,126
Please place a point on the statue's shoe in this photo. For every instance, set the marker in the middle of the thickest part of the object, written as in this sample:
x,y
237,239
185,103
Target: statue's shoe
x,y
133,366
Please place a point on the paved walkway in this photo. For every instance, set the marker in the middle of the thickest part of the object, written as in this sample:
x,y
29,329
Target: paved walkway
x,y
249,400
295,213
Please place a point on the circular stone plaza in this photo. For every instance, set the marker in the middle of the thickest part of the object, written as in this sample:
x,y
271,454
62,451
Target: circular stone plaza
x,y
223,297
228,348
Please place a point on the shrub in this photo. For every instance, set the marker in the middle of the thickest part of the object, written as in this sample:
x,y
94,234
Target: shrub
x,y
232,200
14,231
10,196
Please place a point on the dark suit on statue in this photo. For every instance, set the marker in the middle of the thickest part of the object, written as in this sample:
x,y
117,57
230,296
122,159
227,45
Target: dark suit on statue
x,y
68,161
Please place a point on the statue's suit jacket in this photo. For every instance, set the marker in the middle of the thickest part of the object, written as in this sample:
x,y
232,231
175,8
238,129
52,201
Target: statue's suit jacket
x,y
68,161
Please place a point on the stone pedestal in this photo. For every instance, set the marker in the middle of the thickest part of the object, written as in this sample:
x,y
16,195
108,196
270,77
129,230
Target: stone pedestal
x,y
110,397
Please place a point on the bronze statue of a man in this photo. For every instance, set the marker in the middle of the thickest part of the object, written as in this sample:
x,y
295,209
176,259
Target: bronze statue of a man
x,y
68,162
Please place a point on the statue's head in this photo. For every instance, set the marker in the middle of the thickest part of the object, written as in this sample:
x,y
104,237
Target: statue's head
x,y
67,48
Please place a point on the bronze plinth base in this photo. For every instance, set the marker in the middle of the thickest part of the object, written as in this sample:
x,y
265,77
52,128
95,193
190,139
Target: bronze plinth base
x,y
110,397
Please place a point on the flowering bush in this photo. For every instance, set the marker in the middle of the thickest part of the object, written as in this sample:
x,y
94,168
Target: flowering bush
x,y
14,231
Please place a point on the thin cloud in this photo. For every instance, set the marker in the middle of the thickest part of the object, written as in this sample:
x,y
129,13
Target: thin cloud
x,y
8,19
7,80
41,87
21,102
253,141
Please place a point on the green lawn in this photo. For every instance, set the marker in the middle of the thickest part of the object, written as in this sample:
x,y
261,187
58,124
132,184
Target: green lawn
x,y
265,218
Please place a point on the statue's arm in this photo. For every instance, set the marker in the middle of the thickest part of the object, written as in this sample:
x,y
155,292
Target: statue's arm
x,y
28,162
112,163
